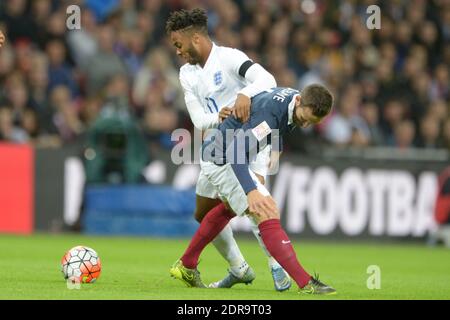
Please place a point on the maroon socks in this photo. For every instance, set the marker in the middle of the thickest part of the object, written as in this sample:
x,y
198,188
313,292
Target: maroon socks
x,y
211,225
279,246
276,240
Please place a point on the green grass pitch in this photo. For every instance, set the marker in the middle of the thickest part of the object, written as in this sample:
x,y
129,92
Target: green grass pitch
x,y
138,268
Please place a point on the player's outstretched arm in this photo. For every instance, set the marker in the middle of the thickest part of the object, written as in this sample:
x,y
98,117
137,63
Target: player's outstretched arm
x,y
2,38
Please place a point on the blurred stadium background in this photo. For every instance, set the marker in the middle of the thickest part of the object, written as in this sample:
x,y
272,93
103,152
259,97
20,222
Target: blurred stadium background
x,y
86,116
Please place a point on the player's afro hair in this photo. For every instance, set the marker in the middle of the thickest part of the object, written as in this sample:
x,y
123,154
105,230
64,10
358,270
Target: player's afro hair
x,y
182,19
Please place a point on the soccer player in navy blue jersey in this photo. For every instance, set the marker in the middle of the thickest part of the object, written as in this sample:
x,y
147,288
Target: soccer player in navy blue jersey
x,y
225,162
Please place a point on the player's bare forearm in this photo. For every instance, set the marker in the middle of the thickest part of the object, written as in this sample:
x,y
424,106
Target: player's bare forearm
x,y
2,39
241,109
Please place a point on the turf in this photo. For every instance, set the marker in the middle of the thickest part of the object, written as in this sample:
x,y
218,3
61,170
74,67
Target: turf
x,y
137,268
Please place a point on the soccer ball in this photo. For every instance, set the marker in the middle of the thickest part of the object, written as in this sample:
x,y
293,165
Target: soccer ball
x,y
81,264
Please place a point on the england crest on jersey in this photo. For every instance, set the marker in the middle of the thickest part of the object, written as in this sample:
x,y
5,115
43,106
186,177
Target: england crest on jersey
x,y
218,78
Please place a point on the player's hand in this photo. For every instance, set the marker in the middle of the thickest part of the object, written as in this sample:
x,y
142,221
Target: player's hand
x,y
241,109
2,39
224,113
264,207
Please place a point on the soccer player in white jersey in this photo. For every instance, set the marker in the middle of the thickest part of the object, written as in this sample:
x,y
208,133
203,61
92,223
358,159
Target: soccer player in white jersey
x,y
219,82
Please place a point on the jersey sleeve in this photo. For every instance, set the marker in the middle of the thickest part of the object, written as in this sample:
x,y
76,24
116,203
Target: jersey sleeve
x,y
233,59
237,155
246,143
199,117
241,66
259,80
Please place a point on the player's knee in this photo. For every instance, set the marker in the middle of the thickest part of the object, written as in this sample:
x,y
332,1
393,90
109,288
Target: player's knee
x,y
274,215
267,218
270,217
259,218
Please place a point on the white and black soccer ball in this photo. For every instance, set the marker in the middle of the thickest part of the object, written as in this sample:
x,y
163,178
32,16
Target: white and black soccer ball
x,y
81,264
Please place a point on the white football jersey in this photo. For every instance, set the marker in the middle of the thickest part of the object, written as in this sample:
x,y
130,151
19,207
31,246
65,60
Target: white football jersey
x,y
215,85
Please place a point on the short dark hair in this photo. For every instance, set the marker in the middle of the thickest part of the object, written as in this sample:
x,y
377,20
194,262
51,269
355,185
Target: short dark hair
x,y
182,19
318,98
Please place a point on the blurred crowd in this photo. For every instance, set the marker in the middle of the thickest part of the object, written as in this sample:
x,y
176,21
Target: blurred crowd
x,y
391,86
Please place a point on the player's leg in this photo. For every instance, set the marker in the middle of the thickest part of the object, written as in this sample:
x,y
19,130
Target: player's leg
x,y
275,238
279,246
224,242
223,181
207,199
211,225
255,230
280,277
